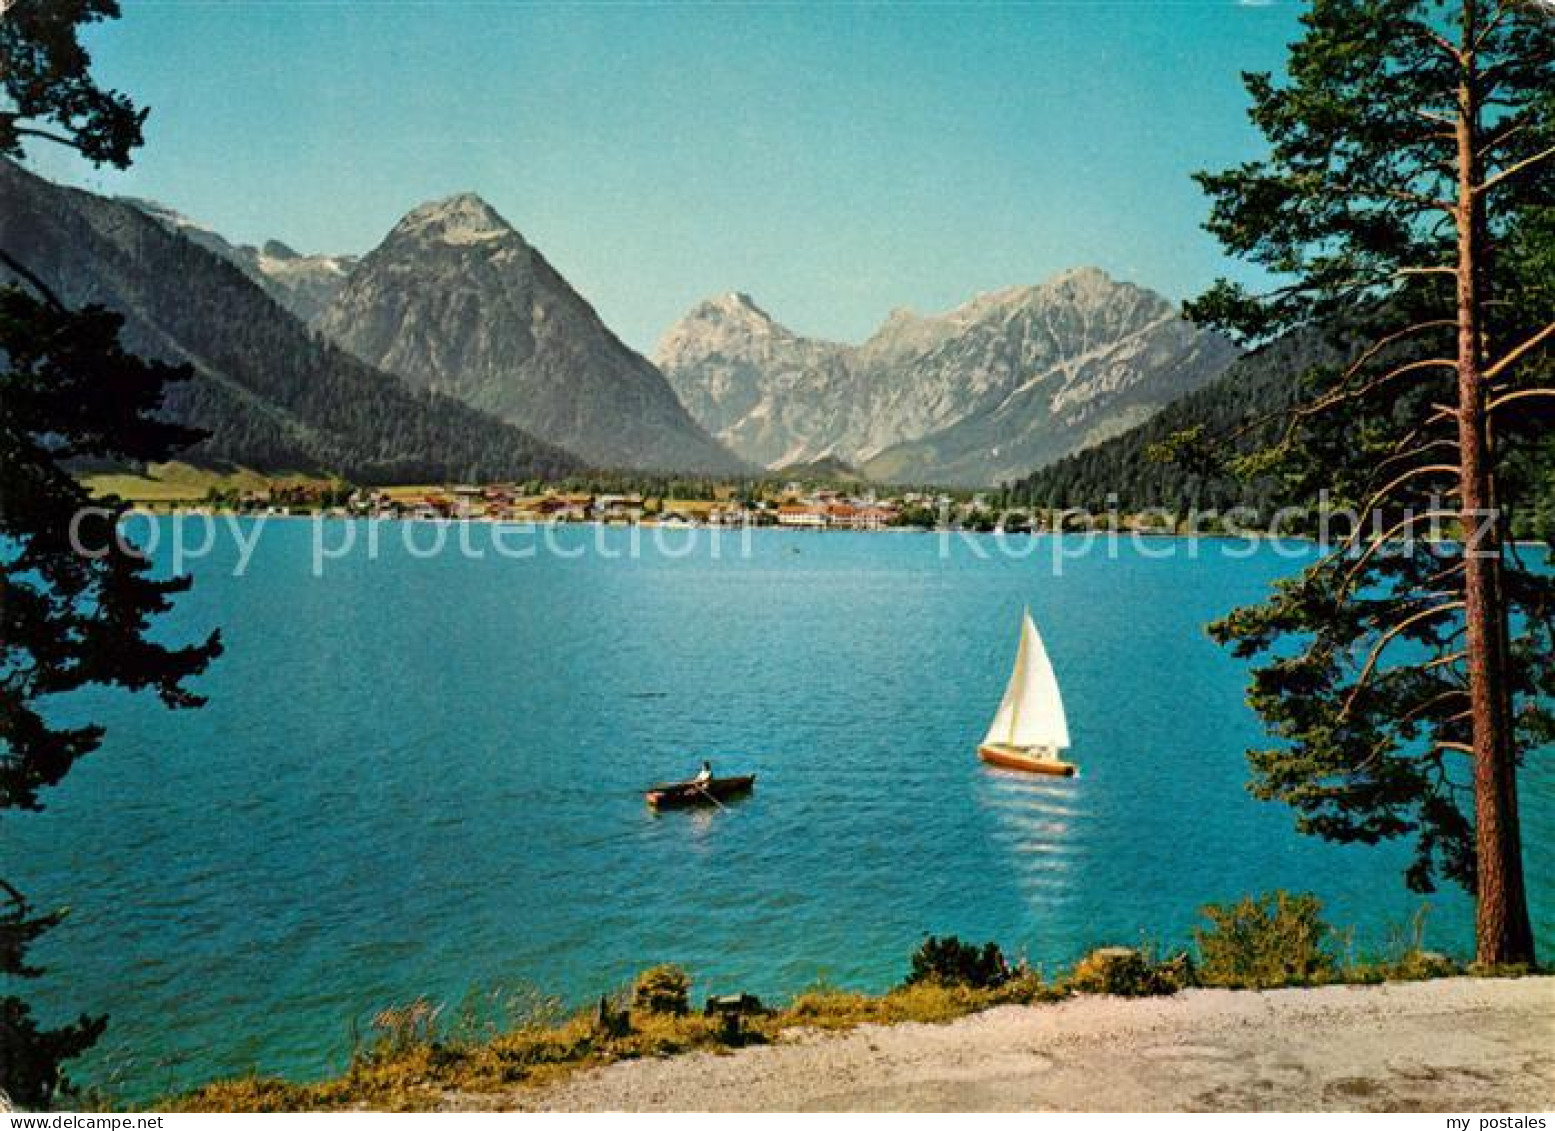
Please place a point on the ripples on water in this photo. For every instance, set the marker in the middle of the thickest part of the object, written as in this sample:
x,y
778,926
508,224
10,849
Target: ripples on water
x,y
420,776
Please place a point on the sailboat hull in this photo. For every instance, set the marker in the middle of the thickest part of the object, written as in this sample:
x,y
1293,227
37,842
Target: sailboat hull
x,y
1025,759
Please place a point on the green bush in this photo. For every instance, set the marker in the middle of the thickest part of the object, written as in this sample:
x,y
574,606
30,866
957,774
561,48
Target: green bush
x,y
1126,972
951,962
1275,939
662,990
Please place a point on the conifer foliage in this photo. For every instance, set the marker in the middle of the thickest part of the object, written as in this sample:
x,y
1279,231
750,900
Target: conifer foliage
x,y
1407,195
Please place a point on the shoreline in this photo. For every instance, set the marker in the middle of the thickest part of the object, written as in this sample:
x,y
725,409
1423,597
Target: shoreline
x,y
1122,531
1361,1037
140,510
1458,1043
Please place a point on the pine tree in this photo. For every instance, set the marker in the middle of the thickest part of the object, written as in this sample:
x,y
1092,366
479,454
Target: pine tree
x,y
67,618
1407,196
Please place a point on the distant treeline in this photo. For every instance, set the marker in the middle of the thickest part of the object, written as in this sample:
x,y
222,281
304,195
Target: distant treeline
x,y
1241,408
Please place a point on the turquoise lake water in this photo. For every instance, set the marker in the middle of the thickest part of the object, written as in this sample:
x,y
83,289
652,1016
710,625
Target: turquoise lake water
x,y
423,774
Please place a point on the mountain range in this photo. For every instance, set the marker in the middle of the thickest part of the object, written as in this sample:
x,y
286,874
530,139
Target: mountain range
x,y
984,393
455,299
454,349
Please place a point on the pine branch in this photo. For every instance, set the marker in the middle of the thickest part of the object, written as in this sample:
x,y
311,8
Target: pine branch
x,y
1344,395
37,284
1520,395
58,139
1410,716
1387,340
1371,504
1409,521
1501,139
1433,38
1512,170
1403,196
1422,708
1513,357
1387,638
1490,28
1442,575
1421,449
1440,119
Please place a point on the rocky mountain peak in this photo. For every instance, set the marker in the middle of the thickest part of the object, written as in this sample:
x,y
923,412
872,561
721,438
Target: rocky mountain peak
x,y
1084,287
457,220
455,300
735,307
1008,380
1094,284
730,321
737,301
1086,277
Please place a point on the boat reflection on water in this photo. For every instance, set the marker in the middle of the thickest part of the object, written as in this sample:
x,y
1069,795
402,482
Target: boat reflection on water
x,y
1040,826
691,823
700,822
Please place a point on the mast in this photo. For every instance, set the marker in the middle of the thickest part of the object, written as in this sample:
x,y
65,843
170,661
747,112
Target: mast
x,y
1017,677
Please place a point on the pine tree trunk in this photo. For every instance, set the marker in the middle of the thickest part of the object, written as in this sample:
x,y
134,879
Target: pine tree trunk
x,y
1502,932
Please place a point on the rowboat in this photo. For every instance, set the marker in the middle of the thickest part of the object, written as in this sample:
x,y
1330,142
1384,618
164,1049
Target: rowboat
x,y
1029,729
684,794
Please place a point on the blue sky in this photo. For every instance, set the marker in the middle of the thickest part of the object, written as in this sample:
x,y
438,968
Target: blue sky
x,y
833,160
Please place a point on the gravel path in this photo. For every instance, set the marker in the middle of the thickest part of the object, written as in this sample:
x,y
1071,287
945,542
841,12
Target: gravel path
x,y
1460,1044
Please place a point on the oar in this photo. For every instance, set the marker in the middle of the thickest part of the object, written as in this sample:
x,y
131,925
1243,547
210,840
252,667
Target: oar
x,y
704,791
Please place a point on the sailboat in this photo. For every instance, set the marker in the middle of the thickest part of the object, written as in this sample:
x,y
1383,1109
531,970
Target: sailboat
x,y
1029,730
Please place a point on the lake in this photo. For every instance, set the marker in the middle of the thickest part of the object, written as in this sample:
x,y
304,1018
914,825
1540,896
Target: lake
x,y
420,774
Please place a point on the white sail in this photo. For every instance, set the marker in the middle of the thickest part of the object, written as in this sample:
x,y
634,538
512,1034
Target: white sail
x,y
1032,712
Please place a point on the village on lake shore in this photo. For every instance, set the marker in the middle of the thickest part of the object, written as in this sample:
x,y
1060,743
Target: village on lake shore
x,y
793,505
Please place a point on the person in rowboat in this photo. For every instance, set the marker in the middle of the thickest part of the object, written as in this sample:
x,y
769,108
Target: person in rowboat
x,y
704,775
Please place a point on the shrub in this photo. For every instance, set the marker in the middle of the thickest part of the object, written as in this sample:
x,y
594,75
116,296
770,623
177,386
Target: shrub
x,y
951,962
1026,987
1126,972
246,1094
662,989
1421,965
1276,939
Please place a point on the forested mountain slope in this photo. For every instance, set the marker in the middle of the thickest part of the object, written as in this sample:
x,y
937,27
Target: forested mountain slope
x,y
271,394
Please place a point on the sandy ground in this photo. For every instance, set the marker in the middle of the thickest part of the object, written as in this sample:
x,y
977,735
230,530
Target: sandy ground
x,y
1460,1044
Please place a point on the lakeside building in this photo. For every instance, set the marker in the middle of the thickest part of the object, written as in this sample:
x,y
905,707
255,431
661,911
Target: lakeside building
x,y
803,516
834,514
619,508
824,509
874,517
